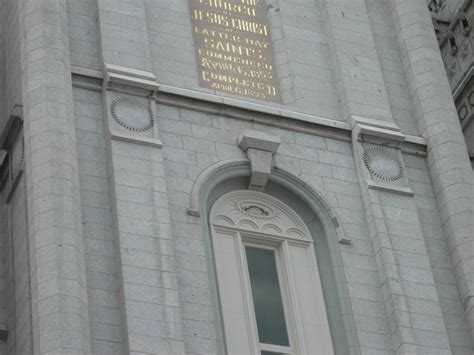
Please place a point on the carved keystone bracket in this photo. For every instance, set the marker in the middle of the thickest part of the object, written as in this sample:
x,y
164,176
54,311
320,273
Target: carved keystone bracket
x,y
260,148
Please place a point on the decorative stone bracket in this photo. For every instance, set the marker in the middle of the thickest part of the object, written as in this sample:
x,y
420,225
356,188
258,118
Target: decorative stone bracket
x,y
118,77
376,132
130,104
377,149
260,148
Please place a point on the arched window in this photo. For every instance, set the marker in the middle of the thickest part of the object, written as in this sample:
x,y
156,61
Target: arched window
x,y
268,281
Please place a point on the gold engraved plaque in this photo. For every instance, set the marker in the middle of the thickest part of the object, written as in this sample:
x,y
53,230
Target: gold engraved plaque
x,y
234,49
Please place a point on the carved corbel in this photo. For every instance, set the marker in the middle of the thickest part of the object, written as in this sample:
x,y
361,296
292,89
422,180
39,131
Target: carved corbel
x,y
260,148
377,132
134,81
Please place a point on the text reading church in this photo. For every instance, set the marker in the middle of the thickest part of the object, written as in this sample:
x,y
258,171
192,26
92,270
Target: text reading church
x,y
233,177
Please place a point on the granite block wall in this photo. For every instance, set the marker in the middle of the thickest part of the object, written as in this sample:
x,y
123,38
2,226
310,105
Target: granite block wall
x,y
102,281
443,273
401,104
447,158
3,75
17,272
83,34
302,56
11,54
15,253
58,294
16,310
324,163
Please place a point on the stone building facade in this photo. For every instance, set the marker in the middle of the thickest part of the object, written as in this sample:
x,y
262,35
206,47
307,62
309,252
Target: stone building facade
x,y
453,22
138,200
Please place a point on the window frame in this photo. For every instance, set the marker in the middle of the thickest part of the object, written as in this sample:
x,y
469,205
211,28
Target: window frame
x,y
247,235
284,284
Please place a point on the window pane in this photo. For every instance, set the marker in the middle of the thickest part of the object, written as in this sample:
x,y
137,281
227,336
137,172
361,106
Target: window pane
x,y
267,296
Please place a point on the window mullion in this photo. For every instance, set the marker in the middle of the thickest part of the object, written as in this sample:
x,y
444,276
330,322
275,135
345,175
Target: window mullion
x,y
247,292
296,322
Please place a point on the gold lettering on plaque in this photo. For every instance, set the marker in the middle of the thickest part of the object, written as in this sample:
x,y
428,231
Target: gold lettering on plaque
x,y
233,47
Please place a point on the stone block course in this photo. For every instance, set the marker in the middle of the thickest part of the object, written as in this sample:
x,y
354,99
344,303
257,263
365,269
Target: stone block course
x,y
195,296
102,282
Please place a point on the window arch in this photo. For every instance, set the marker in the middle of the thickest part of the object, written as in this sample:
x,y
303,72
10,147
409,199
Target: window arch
x,y
268,279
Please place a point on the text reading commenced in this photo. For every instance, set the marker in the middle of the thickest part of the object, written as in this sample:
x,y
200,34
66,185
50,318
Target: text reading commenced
x,y
233,47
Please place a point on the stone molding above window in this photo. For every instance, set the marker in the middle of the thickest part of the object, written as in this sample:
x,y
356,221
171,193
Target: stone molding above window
x,y
253,211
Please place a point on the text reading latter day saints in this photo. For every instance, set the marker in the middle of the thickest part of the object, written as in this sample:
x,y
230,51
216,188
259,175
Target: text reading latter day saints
x,y
233,48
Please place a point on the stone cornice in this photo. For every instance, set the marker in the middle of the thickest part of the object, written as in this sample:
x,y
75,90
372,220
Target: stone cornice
x,y
247,111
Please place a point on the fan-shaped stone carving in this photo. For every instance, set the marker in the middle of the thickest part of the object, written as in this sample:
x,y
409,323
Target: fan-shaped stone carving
x,y
251,210
382,164
132,114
